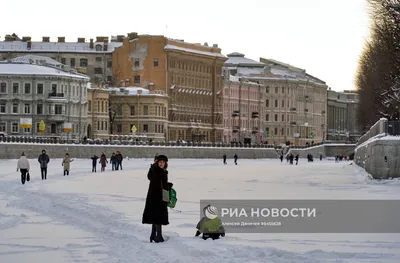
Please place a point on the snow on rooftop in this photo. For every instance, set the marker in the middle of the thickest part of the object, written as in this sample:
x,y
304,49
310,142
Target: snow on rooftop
x,y
133,91
190,50
34,69
73,47
239,59
37,60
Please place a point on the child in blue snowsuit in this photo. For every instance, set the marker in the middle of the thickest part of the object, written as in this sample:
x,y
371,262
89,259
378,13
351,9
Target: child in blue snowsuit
x,y
210,225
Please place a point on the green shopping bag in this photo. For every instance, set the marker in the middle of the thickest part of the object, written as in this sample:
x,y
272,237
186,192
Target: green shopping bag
x,y
172,198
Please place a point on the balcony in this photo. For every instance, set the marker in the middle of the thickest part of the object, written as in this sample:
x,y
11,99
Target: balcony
x,y
292,109
254,130
292,123
235,129
255,114
235,113
57,95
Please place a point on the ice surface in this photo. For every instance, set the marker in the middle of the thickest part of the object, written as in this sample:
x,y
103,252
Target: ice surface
x,y
96,217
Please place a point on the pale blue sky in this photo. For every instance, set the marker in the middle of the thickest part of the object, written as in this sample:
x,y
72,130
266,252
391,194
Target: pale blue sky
x,y
324,37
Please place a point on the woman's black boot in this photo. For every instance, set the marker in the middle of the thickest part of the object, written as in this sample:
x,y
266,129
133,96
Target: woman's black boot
x,y
159,237
153,233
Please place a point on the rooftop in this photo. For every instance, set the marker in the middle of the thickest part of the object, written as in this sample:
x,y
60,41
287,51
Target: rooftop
x,y
133,91
239,60
194,51
37,65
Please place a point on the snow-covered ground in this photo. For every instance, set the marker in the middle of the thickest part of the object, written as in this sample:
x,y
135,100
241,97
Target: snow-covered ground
x,y
96,217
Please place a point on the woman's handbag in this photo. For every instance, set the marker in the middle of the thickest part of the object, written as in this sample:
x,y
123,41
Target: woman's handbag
x,y
165,194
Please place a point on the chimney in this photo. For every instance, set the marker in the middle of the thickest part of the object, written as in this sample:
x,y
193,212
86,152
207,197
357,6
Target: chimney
x,y
46,39
91,44
61,39
120,38
132,35
100,39
206,44
81,40
26,39
105,39
105,45
215,45
29,45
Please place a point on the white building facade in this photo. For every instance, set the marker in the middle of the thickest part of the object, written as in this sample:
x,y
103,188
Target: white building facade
x,y
41,89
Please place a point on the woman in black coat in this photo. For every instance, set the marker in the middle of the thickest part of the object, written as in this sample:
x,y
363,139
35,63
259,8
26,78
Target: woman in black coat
x,y
156,210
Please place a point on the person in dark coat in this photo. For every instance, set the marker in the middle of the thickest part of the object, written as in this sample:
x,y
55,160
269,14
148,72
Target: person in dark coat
x,y
235,158
156,210
114,162
224,158
119,159
43,160
94,162
297,159
103,161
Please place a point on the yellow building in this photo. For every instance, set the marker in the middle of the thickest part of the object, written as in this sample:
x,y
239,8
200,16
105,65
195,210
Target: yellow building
x,y
98,114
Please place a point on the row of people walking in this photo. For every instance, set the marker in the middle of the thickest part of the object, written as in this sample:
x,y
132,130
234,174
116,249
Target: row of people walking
x,y
115,160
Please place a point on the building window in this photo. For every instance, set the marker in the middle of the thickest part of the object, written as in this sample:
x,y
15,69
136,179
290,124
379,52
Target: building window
x,y
283,117
105,126
109,78
72,62
27,88
99,48
283,104
283,89
15,127
54,88
267,89
132,110
90,105
3,126
39,109
276,89
15,88
276,131
27,109
63,61
39,88
3,87
267,103
136,79
109,63
102,125
145,128
267,117
102,106
27,130
83,62
3,108
276,117
98,71
145,110
155,62
137,62
98,59
119,128
58,109
276,103
15,108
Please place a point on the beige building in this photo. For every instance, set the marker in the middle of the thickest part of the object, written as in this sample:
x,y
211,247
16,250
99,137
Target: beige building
x,y
98,113
294,102
139,107
93,57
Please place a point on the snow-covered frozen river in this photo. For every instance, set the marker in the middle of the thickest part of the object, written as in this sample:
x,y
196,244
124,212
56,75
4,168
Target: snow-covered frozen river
x,y
96,217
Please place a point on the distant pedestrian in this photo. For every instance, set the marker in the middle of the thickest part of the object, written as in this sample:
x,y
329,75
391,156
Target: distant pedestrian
x,y
23,166
119,160
113,162
224,159
235,158
103,162
66,163
297,159
281,157
43,160
94,162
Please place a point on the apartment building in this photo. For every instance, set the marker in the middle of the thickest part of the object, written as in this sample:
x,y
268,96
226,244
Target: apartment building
x,y
342,115
41,89
294,102
189,74
143,109
91,57
98,112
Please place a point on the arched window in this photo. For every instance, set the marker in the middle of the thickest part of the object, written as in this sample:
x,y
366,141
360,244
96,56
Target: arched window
x,y
99,48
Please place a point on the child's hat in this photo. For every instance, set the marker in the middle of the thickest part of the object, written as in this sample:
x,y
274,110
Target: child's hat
x,y
211,212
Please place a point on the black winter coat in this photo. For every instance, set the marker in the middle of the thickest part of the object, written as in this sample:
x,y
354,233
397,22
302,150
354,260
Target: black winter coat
x,y
156,210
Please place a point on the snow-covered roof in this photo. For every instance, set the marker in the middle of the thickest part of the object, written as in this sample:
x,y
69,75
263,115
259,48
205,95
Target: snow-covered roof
x,y
21,68
37,60
71,47
239,60
194,51
133,91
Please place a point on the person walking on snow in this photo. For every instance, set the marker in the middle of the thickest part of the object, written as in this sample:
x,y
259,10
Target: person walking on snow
x,y
67,163
119,159
94,162
43,160
235,158
156,209
103,162
224,158
23,166
114,162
